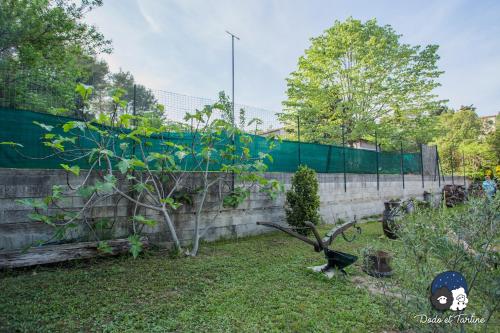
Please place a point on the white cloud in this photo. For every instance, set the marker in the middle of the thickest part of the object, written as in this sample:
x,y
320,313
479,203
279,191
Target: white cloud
x,y
153,25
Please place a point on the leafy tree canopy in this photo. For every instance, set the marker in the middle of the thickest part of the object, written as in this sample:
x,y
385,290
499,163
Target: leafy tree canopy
x,y
359,73
144,97
33,30
45,48
462,141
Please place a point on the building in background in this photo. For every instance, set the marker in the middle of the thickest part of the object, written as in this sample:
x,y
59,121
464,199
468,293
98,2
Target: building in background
x,y
489,123
279,132
363,144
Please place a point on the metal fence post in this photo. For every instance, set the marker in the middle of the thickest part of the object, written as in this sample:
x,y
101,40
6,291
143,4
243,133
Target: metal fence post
x,y
134,113
134,104
441,170
343,157
422,164
402,165
452,177
437,167
463,163
377,160
329,156
133,181
298,134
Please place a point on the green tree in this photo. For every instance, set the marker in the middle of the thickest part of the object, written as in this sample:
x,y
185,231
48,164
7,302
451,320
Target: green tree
x,y
358,74
494,139
144,97
43,46
159,177
303,200
461,140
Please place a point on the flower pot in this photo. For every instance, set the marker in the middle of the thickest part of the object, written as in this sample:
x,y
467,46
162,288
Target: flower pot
x,y
378,264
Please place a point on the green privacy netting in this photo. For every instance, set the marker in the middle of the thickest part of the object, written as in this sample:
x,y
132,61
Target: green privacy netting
x,y
18,126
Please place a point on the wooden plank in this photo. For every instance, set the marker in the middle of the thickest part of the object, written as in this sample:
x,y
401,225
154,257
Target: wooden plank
x,y
64,252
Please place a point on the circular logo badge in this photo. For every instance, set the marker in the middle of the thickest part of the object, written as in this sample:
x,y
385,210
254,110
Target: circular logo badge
x,y
449,291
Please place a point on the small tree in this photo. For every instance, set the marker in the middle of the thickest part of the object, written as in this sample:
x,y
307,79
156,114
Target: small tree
x,y
303,199
461,239
153,166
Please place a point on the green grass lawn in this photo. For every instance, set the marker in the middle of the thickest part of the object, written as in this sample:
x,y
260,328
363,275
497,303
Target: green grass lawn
x,y
253,284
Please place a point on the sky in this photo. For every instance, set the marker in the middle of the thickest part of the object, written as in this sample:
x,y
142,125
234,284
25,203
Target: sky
x,y
181,45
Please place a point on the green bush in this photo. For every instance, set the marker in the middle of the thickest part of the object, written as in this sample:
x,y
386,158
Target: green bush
x,y
461,239
303,199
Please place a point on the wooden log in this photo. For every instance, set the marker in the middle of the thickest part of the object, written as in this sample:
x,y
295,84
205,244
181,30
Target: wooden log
x,y
64,252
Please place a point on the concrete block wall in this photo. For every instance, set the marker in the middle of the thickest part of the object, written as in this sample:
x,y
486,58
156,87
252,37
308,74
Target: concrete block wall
x,y
360,199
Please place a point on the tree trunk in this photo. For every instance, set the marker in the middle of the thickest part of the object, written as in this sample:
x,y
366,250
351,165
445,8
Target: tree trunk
x,y
171,228
196,236
64,252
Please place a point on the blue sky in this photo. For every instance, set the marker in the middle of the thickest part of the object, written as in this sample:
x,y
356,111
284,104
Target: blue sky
x,y
181,45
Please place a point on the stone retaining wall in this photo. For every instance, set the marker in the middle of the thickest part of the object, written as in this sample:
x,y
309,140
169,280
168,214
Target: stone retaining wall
x,y
361,199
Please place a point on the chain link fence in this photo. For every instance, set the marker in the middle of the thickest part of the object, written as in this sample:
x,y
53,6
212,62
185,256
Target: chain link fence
x,y
25,96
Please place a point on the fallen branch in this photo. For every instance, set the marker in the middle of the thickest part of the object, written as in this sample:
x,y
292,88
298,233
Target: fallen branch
x,y
64,252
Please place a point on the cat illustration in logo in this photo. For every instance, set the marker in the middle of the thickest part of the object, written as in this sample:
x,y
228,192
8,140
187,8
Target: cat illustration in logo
x,y
449,291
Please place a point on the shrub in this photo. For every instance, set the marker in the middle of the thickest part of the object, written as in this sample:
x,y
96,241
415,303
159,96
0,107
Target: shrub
x,y
437,240
303,199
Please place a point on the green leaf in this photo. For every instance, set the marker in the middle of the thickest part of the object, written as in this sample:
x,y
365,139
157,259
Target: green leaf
x,y
106,152
135,245
171,202
110,179
86,191
41,218
104,187
58,111
75,169
137,163
103,118
123,165
33,203
55,145
84,90
104,247
74,124
234,199
10,143
44,126
140,187
143,220
102,224
57,190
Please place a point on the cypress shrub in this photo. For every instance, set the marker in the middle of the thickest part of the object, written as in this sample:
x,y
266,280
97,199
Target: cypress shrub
x,y
303,200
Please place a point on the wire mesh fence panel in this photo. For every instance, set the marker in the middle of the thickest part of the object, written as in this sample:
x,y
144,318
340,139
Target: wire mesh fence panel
x,y
250,119
390,162
37,90
412,164
45,94
23,127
